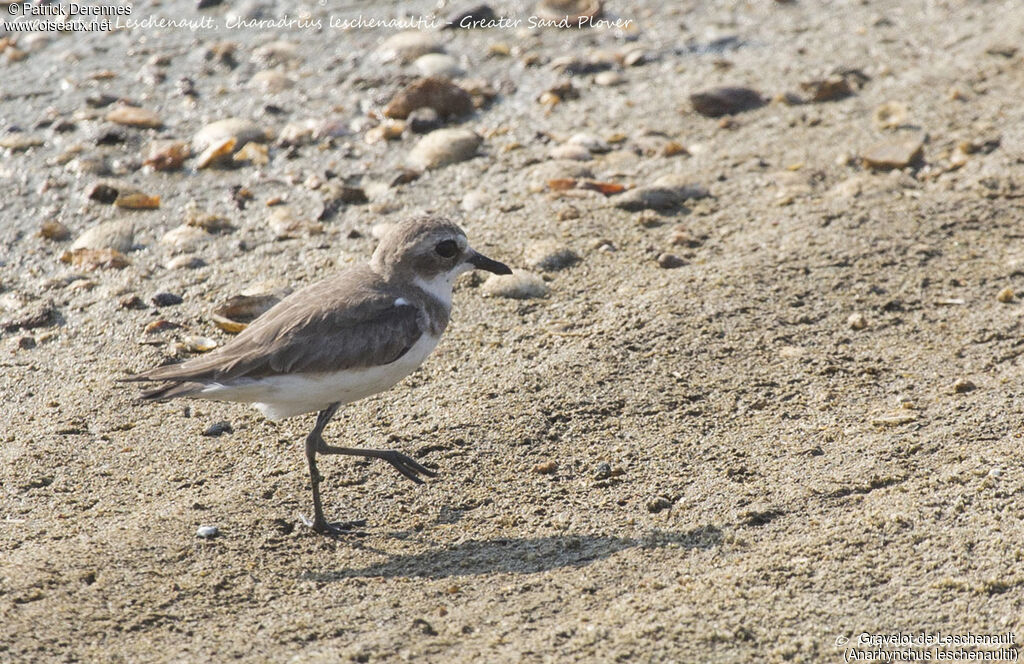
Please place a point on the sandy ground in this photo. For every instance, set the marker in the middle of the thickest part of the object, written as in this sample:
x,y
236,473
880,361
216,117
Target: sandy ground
x,y
794,454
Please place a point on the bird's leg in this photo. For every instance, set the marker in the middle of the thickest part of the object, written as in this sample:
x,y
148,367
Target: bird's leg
x,y
402,463
314,441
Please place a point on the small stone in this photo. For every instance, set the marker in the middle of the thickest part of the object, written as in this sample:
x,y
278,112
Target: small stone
x,y
285,225
185,261
964,385
271,80
185,237
520,285
635,58
136,200
218,429
133,116
832,88
438,64
895,153
609,78
26,342
667,192
166,299
443,147
95,259
603,471
658,504
207,532
670,261
717,102
254,153
198,344
423,120
570,152
1006,295
890,115
241,130
409,45
131,301
590,142
546,468
549,256
167,155
51,229
440,94
857,321
211,223
19,142
118,235
160,325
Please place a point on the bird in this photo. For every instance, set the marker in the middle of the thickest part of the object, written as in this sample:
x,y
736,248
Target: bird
x,y
347,337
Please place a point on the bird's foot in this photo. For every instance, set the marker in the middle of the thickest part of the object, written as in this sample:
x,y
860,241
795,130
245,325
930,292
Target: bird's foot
x,y
335,529
406,465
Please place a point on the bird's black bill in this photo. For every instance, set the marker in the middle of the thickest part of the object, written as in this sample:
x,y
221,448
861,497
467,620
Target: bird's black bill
x,y
482,262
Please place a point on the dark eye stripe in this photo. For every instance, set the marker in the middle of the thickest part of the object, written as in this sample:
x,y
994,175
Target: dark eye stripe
x,y
447,248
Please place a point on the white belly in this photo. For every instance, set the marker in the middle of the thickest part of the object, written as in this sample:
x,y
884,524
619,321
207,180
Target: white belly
x,y
283,396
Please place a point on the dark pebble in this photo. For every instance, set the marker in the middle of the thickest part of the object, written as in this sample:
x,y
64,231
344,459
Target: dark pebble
x,y
658,504
26,343
670,261
423,121
166,299
131,302
717,102
101,100
603,471
218,428
102,193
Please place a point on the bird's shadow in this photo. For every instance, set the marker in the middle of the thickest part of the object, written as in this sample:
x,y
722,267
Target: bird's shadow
x,y
526,555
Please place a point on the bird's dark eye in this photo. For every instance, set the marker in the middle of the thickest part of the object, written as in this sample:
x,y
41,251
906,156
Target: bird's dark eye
x,y
447,248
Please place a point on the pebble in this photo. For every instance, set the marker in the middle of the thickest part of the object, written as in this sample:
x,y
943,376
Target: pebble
x,y
670,261
276,53
440,94
218,429
443,147
271,80
185,237
95,259
635,58
26,342
408,46
667,192
603,471
590,142
186,261
423,120
285,225
51,229
546,468
207,532
570,152
1006,295
832,88
198,344
890,115
118,235
520,285
167,155
857,321
136,200
717,102
20,141
893,153
475,200
658,504
609,78
438,64
964,385
133,116
166,299
241,130
549,256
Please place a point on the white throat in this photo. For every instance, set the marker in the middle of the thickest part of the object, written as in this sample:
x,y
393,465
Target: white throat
x,y
440,285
